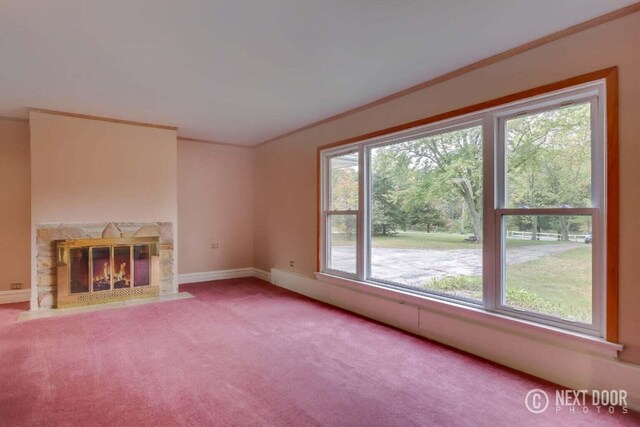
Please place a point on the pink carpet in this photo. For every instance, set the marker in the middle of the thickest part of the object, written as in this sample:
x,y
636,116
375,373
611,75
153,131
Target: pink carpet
x,y
243,352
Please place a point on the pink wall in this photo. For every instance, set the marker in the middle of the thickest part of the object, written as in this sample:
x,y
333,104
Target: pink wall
x,y
87,171
285,193
15,203
215,205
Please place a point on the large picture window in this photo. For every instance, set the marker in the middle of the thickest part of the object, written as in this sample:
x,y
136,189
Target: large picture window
x,y
425,212
503,209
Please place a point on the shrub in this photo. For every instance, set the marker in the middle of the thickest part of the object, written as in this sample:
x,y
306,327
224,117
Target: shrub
x,y
470,285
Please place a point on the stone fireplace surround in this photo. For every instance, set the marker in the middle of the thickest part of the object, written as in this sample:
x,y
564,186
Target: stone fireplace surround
x,y
48,234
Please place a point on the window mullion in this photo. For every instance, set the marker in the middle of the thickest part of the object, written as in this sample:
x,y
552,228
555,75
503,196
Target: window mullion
x,y
361,234
500,186
366,211
324,190
489,276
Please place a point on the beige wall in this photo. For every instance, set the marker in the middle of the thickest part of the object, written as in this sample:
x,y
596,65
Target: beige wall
x,y
15,203
285,193
88,171
215,205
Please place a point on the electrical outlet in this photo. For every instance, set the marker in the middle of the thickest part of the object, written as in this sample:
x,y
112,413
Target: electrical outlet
x,y
16,286
215,245
292,263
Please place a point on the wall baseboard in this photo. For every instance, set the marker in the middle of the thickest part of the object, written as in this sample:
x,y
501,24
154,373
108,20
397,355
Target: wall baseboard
x,y
17,295
207,276
261,274
556,361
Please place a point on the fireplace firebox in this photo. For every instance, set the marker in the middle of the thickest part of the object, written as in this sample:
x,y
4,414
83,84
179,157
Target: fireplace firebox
x,y
96,271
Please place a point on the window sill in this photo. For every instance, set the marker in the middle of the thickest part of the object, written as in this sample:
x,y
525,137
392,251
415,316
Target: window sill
x,y
548,334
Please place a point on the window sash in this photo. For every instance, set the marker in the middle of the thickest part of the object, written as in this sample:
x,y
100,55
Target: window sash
x,y
597,292
329,246
594,95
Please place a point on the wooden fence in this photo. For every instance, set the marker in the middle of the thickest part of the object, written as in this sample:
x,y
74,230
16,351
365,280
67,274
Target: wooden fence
x,y
526,235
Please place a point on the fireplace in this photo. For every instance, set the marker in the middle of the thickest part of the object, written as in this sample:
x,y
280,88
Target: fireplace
x,y
95,271
159,235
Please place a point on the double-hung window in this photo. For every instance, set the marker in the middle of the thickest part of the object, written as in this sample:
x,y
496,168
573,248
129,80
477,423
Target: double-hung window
x,y
342,213
503,209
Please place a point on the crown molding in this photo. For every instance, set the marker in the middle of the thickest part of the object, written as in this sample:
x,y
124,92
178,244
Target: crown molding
x,y
99,118
206,141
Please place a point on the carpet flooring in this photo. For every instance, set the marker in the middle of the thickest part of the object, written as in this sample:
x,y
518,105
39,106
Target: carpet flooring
x,y
244,352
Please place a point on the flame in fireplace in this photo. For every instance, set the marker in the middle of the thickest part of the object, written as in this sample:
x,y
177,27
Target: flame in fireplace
x,y
106,276
120,278
122,274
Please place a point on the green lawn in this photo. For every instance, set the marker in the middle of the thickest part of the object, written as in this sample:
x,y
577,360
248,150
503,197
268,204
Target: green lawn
x,y
561,283
422,240
558,285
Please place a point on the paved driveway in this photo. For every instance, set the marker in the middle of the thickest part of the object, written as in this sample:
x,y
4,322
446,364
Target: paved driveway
x,y
414,267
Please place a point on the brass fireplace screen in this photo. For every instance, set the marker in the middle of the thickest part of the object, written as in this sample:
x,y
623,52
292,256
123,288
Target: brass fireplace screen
x,y
93,271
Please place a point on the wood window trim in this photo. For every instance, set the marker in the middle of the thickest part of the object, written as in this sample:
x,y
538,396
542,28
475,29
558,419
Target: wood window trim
x,y
610,76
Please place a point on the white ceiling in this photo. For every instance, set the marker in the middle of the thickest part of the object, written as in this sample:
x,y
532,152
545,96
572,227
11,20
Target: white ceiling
x,y
243,71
